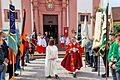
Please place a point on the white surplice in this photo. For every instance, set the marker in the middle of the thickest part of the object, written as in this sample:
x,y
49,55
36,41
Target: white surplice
x,y
42,42
51,65
62,40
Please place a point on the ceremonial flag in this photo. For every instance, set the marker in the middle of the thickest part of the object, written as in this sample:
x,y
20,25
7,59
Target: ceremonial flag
x,y
12,43
23,35
103,38
18,37
85,33
97,31
34,31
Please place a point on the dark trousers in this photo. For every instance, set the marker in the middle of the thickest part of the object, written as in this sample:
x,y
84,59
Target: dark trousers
x,y
27,56
106,63
113,74
118,75
23,60
18,62
96,62
91,60
87,57
10,70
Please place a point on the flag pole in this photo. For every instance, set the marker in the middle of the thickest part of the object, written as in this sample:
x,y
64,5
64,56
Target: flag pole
x,y
85,45
99,53
10,2
107,38
13,77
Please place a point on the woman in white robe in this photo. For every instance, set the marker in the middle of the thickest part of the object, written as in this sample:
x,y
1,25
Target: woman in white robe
x,y
51,60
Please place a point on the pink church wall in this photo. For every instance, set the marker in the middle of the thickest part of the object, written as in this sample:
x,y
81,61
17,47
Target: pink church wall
x,y
60,9
72,15
42,10
26,5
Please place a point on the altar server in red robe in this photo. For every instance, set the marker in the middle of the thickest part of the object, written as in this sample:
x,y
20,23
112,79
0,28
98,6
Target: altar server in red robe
x,y
62,41
41,45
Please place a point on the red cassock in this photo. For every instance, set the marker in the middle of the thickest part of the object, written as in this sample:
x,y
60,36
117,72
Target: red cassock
x,y
73,57
62,45
41,49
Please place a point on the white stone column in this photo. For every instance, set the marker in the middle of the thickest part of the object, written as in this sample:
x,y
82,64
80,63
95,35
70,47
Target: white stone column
x,y
32,24
64,15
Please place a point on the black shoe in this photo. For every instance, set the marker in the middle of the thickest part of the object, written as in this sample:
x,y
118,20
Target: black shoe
x,y
56,76
74,75
93,67
25,65
70,72
104,75
48,76
90,66
16,74
94,70
22,69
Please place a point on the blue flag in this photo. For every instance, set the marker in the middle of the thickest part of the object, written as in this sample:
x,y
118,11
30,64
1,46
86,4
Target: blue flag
x,y
12,39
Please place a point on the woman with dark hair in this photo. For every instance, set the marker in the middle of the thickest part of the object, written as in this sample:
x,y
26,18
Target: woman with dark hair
x,y
51,59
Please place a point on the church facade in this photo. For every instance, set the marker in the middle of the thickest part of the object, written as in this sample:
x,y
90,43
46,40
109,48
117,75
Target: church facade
x,y
54,16
57,17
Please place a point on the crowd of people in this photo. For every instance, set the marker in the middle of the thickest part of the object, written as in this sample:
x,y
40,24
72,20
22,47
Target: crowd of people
x,y
111,59
110,54
6,56
44,44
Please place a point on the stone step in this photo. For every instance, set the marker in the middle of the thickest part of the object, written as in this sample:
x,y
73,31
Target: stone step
x,y
43,55
60,55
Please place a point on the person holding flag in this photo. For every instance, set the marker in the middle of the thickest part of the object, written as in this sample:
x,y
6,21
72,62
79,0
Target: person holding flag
x,y
33,43
97,38
12,43
23,40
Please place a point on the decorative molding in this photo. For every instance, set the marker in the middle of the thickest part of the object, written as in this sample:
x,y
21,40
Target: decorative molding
x,y
50,5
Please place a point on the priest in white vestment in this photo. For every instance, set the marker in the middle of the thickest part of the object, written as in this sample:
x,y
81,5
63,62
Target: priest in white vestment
x,y
51,60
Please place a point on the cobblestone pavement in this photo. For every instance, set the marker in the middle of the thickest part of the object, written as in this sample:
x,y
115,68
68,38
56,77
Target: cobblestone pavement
x,y
35,71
